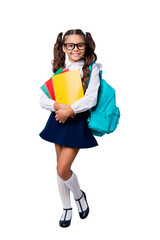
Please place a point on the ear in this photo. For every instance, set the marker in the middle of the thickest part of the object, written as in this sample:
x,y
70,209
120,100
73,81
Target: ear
x,y
64,49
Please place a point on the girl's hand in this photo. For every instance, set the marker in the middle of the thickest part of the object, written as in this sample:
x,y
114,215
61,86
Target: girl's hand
x,y
63,114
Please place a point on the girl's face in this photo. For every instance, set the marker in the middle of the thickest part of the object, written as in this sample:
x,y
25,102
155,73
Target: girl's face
x,y
74,52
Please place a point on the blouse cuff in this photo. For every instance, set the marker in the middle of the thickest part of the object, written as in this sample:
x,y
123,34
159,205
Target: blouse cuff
x,y
74,109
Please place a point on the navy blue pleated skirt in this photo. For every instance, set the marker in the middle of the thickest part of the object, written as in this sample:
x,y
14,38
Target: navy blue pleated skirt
x,y
73,133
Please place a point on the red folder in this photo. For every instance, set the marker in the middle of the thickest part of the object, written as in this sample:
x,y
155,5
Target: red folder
x,y
50,88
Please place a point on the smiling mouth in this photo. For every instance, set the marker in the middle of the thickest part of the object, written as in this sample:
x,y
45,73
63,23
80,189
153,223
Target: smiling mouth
x,y
75,54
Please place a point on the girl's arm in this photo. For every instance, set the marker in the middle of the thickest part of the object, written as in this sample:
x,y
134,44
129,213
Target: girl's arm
x,y
90,99
46,103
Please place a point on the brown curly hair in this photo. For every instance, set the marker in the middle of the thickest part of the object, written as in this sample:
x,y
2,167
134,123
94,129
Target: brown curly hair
x,y
89,56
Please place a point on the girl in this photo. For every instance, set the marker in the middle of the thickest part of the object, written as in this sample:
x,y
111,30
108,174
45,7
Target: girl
x,y
67,125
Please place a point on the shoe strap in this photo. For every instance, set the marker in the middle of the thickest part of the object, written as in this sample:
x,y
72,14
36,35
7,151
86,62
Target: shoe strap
x,y
80,202
66,209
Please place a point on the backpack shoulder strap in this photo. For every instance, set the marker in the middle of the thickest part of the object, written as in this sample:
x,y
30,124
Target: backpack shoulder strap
x,y
90,68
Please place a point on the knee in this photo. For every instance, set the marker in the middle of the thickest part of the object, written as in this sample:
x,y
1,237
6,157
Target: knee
x,y
63,172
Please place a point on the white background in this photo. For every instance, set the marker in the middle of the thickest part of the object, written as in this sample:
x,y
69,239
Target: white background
x,y
121,175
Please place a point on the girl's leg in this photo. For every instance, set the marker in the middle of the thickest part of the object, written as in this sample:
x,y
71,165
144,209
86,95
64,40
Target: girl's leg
x,y
63,190
65,161
58,148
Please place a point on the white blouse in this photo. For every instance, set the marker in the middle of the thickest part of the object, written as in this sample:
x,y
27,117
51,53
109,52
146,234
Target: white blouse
x,y
90,98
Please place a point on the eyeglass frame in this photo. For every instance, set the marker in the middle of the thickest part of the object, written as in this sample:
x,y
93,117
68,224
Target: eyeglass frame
x,y
75,44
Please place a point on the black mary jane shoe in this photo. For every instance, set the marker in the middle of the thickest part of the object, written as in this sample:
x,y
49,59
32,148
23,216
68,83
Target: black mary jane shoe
x,y
65,223
83,214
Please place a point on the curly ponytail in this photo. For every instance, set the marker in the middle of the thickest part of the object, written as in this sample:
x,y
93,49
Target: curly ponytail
x,y
89,56
59,55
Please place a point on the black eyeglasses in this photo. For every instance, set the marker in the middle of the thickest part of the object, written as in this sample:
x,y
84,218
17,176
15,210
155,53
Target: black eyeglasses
x,y
71,46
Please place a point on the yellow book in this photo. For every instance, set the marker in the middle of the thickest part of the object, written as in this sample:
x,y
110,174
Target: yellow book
x,y
68,87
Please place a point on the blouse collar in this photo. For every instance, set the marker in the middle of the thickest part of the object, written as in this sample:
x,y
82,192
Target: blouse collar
x,y
78,63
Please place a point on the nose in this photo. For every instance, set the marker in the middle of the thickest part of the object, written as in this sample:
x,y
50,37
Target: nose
x,y
76,48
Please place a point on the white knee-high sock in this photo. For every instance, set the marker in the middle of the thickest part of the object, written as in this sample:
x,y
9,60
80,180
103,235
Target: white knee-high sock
x,y
65,197
73,184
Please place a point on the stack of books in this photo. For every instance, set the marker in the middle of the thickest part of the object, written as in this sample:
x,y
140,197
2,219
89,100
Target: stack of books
x,y
64,86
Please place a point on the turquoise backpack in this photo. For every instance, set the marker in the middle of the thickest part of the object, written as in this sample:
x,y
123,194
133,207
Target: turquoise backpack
x,y
104,117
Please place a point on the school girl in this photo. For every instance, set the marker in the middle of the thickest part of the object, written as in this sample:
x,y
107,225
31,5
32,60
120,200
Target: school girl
x,y
67,125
